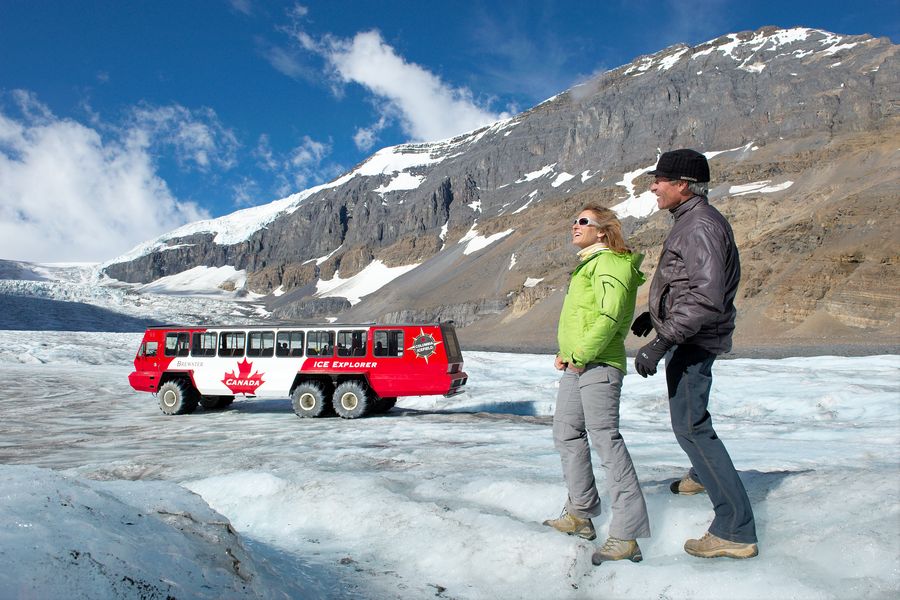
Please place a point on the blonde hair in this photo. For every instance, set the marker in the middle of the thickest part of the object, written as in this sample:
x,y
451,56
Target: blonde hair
x,y
610,226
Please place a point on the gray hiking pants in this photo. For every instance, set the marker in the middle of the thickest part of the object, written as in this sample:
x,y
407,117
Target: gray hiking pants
x,y
589,404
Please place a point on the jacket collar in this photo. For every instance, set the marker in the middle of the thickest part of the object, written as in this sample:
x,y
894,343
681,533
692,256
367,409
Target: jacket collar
x,y
687,205
585,253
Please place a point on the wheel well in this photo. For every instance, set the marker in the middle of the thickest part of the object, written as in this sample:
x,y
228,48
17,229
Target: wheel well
x,y
183,377
325,381
360,379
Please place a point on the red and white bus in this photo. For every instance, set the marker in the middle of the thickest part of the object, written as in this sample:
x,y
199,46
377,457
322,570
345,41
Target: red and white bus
x,y
351,369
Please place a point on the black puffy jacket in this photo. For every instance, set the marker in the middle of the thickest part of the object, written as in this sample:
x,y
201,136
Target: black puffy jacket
x,y
693,289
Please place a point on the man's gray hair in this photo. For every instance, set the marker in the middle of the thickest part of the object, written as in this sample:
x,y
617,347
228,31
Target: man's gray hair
x,y
700,188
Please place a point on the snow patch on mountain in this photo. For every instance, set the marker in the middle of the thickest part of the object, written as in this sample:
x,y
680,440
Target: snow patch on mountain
x,y
561,179
475,242
400,183
322,259
743,50
749,146
641,205
758,187
669,61
397,159
543,171
371,279
530,197
222,282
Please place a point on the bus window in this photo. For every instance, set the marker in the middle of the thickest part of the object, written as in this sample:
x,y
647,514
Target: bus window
x,y
231,343
290,343
261,343
177,344
204,344
351,343
388,342
320,343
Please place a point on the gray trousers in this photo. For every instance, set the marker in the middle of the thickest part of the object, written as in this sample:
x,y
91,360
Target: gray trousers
x,y
589,404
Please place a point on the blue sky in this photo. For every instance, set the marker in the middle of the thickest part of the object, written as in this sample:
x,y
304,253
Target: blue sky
x,y
120,120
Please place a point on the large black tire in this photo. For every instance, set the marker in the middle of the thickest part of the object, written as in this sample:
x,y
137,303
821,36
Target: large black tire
x,y
352,400
309,400
215,402
383,405
177,397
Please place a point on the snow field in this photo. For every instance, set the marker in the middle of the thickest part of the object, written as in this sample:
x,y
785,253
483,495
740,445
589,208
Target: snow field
x,y
445,497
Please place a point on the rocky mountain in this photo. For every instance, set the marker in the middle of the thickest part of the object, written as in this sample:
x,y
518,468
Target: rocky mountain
x,y
801,128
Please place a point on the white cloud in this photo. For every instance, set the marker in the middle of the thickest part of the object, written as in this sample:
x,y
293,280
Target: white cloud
x,y
298,11
306,162
309,152
288,63
429,109
197,136
264,153
246,193
69,194
243,6
305,165
365,137
426,107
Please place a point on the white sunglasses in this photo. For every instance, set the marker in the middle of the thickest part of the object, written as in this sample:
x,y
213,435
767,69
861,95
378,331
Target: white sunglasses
x,y
585,221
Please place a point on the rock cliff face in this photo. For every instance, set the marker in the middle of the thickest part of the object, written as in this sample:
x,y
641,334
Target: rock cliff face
x,y
801,127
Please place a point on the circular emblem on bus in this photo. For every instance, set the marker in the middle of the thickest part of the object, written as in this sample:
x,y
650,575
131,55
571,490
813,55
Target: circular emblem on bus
x,y
424,345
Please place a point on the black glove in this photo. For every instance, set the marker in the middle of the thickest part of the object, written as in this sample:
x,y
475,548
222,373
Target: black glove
x,y
649,356
642,325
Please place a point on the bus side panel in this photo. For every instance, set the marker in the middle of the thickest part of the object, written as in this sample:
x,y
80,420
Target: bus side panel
x,y
421,371
260,376
399,378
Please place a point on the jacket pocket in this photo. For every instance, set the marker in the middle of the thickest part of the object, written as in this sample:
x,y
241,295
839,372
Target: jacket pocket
x,y
594,375
663,308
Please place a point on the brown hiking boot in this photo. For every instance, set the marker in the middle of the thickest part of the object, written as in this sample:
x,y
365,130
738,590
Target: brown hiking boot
x,y
686,486
573,525
616,549
710,546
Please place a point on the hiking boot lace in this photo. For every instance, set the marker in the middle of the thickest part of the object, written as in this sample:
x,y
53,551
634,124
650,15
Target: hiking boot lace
x,y
610,544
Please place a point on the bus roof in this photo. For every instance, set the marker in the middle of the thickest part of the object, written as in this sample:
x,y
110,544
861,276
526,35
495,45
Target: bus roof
x,y
278,325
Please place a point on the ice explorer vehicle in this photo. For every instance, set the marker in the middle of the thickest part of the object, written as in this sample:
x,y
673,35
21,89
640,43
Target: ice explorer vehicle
x,y
353,370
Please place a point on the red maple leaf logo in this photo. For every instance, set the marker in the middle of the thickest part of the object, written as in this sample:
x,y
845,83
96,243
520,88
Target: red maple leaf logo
x,y
243,382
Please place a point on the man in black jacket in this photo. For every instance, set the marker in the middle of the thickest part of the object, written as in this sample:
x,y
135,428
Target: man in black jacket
x,y
692,310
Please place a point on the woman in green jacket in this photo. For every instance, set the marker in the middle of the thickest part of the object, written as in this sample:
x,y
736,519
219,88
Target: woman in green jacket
x,y
595,319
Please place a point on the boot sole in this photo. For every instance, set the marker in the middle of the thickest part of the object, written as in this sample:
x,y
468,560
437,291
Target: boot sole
x,y
597,561
737,554
589,537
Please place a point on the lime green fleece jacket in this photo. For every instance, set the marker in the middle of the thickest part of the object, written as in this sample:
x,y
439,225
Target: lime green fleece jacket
x,y
599,308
